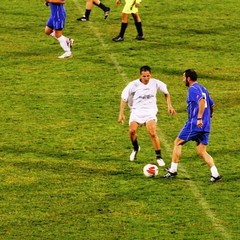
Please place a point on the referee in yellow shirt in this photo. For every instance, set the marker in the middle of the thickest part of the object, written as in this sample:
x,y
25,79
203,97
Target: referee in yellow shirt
x,y
130,7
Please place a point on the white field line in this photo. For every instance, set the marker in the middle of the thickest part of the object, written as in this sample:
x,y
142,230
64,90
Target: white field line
x,y
216,223
105,46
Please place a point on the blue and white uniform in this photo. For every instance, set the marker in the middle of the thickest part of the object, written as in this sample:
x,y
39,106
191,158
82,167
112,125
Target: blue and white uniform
x,y
58,16
191,132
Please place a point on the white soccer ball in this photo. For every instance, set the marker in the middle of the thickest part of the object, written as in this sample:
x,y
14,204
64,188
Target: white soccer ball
x,y
150,170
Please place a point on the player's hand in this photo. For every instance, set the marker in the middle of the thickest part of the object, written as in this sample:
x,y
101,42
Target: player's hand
x,y
137,5
46,3
200,123
118,3
121,119
171,111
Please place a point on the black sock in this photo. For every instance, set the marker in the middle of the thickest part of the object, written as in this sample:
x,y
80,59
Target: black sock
x,y
158,154
87,13
139,28
123,29
102,6
135,145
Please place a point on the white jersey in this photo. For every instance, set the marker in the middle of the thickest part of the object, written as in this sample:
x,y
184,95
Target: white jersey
x,y
141,97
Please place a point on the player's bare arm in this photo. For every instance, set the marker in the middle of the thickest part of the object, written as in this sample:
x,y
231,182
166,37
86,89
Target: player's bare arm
x,y
121,117
211,109
171,110
201,108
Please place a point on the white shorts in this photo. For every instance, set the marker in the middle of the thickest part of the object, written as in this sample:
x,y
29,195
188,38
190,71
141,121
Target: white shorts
x,y
142,119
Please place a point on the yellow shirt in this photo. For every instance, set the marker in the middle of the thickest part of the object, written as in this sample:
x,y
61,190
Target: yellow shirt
x,y
129,7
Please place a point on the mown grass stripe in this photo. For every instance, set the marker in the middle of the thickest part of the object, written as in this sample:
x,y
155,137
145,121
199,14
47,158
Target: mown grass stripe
x,y
216,222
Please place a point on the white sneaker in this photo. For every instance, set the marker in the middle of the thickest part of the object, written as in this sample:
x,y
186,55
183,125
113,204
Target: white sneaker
x,y
66,55
133,155
160,162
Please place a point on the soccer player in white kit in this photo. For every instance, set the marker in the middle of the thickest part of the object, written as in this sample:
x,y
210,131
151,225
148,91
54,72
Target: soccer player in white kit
x,y
141,97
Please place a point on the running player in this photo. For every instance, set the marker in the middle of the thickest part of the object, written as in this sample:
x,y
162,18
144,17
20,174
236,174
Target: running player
x,y
55,25
89,6
141,97
130,7
197,128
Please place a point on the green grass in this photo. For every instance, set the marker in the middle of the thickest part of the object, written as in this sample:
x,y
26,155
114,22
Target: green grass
x,y
64,166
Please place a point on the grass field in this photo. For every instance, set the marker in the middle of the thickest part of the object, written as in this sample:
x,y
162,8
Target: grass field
x,y
64,166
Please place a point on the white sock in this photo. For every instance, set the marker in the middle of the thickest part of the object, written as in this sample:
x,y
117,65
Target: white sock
x,y
174,167
53,34
63,43
214,171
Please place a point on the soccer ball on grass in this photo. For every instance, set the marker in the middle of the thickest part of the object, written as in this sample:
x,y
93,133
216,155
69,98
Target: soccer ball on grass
x,y
150,170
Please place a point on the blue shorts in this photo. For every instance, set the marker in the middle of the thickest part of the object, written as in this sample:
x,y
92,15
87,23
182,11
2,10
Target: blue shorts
x,y
56,23
188,134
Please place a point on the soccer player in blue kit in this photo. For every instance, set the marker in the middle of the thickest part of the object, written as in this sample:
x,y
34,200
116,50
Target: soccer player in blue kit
x,y
55,25
197,128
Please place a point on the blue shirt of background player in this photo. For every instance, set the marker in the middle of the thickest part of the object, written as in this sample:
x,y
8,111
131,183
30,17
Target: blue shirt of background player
x,y
195,93
58,16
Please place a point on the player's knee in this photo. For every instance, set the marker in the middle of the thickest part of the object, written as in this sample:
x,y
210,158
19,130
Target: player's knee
x,y
153,134
132,131
48,31
176,142
200,152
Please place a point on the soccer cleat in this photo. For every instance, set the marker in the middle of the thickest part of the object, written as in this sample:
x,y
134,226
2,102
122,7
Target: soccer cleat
x,y
66,55
71,41
133,155
83,19
160,162
118,39
215,179
106,13
139,38
170,175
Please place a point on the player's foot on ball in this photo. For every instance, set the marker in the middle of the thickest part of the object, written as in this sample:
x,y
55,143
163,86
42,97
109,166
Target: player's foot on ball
x,y
106,13
83,19
160,162
66,55
170,175
139,38
118,39
215,179
133,155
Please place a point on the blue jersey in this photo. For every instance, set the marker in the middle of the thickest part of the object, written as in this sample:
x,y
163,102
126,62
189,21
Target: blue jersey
x,y
195,93
58,16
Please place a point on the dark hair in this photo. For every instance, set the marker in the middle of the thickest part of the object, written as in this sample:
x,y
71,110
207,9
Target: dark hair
x,y
191,73
145,69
